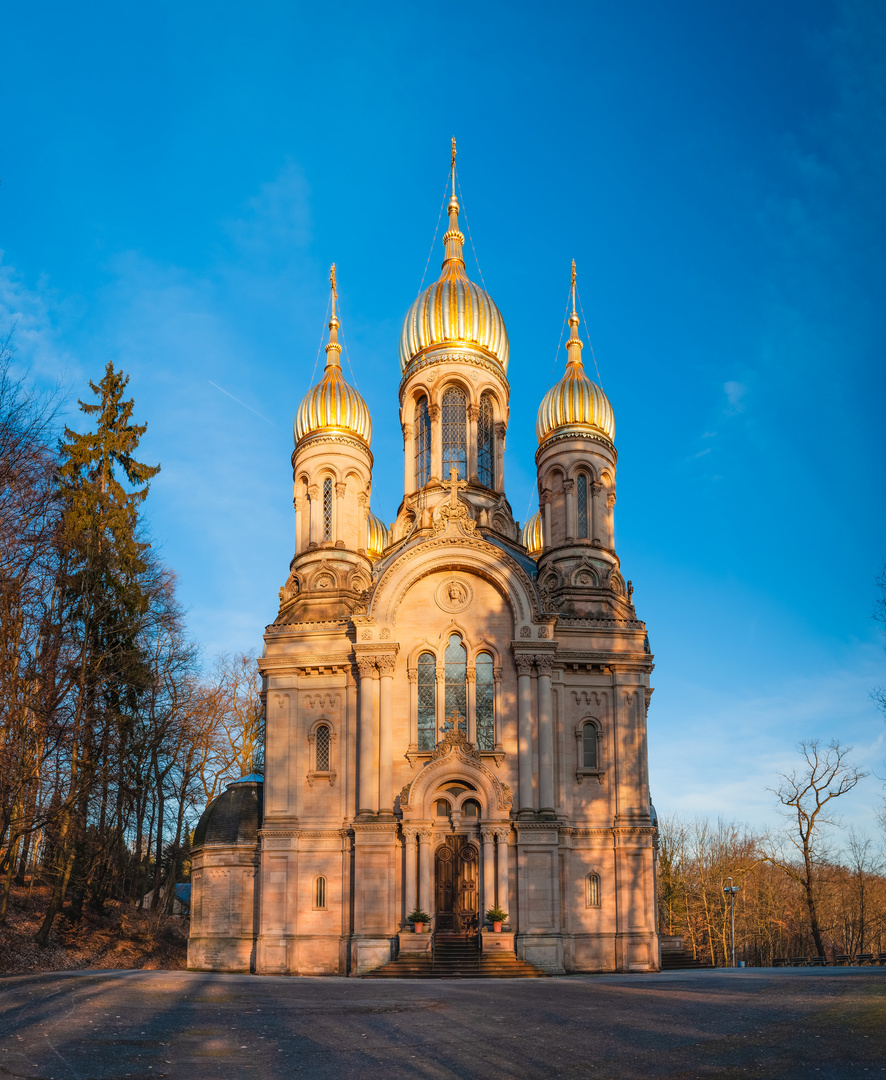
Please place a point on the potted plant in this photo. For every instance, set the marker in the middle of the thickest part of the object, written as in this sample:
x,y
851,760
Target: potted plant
x,y
418,918
496,916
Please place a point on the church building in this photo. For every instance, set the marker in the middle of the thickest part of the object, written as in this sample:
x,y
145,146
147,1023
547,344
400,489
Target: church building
x,y
455,707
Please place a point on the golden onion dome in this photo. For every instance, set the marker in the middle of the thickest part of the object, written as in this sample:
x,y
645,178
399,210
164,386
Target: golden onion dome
x,y
453,311
332,405
574,405
532,535
377,535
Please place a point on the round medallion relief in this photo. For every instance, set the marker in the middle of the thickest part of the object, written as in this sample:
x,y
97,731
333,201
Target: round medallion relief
x,y
454,594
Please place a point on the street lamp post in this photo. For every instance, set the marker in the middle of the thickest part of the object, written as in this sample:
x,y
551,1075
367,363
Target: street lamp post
x,y
731,890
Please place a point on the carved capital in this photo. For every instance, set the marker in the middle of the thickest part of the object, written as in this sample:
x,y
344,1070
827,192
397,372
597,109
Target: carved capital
x,y
412,675
610,499
503,834
434,411
473,412
366,667
500,428
340,489
596,487
407,430
410,832
298,502
487,835
363,499
569,486
426,835
544,662
385,665
471,675
524,663
314,491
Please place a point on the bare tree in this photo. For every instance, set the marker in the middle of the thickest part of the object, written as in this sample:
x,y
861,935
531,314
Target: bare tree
x,y
804,796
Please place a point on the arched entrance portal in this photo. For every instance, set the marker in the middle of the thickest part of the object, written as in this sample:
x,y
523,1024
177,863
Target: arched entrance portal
x,y
457,895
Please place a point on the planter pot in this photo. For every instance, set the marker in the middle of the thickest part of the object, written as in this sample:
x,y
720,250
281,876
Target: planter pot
x,y
496,928
419,927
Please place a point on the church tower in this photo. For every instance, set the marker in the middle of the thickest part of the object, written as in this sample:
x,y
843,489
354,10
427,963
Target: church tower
x,y
456,714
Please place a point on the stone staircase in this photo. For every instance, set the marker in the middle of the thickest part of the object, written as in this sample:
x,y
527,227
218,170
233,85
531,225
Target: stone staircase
x,y
457,956
675,958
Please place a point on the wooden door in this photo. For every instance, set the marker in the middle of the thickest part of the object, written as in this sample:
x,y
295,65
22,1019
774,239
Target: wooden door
x,y
457,889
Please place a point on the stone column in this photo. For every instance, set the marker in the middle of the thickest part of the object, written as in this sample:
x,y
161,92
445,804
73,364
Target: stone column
x,y
471,679
472,470
610,520
425,900
597,512
412,675
502,835
362,522
524,731
436,443
409,484
500,429
496,675
548,536
488,838
571,530
410,836
366,802
543,663
385,666
339,513
316,511
439,699
298,503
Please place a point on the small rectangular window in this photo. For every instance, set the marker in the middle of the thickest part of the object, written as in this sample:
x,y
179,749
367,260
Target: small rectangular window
x,y
320,893
593,890
589,747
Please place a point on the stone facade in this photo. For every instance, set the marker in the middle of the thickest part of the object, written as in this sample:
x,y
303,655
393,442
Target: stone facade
x,y
455,719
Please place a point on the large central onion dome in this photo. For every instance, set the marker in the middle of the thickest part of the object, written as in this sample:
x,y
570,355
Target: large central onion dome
x,y
332,405
574,405
454,311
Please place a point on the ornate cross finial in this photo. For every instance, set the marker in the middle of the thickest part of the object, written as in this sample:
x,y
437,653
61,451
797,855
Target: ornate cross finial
x,y
332,282
573,286
452,166
454,485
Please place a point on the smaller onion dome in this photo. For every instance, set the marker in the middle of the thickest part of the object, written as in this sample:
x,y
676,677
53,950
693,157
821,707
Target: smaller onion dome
x,y
574,405
532,537
332,405
235,817
377,535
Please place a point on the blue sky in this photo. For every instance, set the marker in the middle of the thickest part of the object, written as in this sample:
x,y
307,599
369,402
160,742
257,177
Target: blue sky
x,y
176,179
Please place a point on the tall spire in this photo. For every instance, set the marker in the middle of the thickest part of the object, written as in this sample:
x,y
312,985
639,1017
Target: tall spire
x,y
333,349
574,344
454,238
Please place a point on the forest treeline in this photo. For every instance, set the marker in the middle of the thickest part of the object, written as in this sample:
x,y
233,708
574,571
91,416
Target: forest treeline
x,y
112,737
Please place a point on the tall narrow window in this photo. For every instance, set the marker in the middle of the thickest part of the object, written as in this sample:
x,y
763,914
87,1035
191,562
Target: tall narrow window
x,y
327,509
581,498
322,749
589,747
454,433
485,703
593,890
456,660
422,443
320,892
427,701
486,443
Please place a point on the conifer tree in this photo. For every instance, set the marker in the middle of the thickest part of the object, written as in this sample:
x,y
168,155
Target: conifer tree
x,y
108,586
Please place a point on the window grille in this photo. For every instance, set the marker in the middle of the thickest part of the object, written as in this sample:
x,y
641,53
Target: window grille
x,y
320,892
456,661
486,443
485,703
327,509
427,701
589,747
454,433
593,890
322,752
582,500
422,443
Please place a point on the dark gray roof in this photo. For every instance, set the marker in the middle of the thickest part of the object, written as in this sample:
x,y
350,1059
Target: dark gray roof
x,y
234,817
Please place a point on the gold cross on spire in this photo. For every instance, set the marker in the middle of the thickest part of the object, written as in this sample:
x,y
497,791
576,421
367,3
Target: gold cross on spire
x,y
332,282
452,166
573,286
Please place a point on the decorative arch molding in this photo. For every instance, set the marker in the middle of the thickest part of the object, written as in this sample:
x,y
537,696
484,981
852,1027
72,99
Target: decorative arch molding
x,y
455,759
466,555
586,575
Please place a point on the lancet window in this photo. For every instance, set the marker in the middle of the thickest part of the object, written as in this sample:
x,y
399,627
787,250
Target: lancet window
x,y
422,443
322,749
454,418
485,702
593,890
327,509
320,892
486,443
456,684
581,498
427,701
589,746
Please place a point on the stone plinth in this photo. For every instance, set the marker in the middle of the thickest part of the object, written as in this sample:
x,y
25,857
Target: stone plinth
x,y
412,944
492,943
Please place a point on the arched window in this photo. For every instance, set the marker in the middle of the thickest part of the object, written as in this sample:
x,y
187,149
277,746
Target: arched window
x,y
422,443
581,498
456,660
320,892
427,701
321,749
589,747
486,443
470,808
454,433
485,702
593,890
441,808
327,509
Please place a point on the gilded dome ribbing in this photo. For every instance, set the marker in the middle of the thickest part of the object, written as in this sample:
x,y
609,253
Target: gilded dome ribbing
x,y
332,405
453,311
377,535
532,535
574,405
